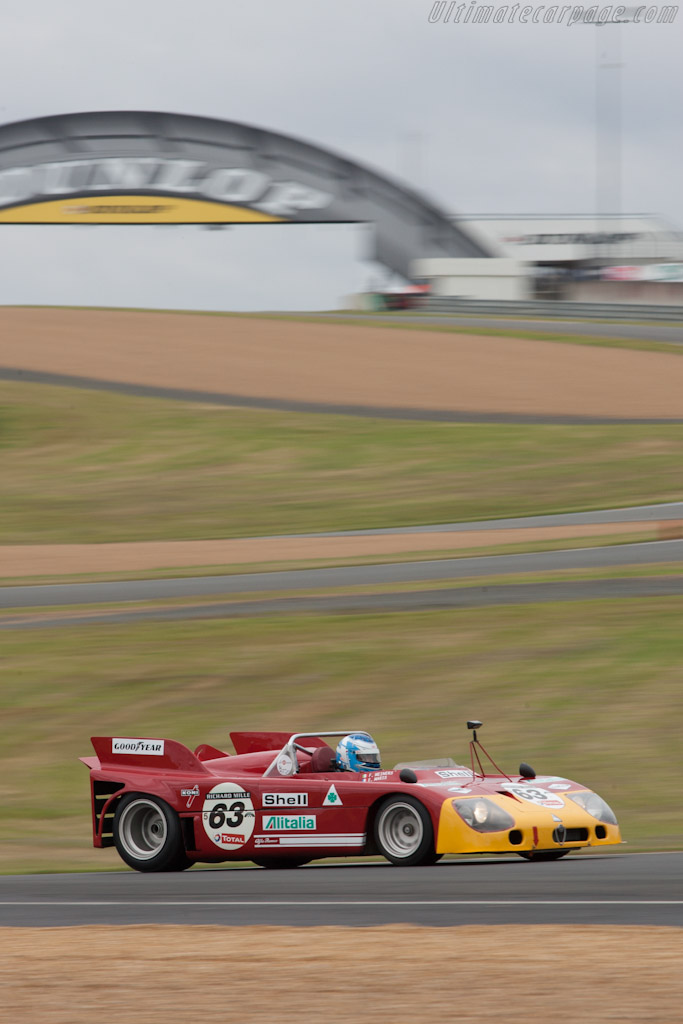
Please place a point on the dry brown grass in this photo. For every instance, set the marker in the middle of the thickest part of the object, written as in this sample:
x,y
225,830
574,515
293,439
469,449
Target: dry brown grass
x,y
395,974
34,559
344,363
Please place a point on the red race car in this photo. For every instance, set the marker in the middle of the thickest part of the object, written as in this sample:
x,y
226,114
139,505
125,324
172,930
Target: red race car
x,y
282,800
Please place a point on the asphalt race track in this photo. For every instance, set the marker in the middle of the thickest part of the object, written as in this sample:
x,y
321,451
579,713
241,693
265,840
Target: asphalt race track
x,y
636,889
26,597
420,600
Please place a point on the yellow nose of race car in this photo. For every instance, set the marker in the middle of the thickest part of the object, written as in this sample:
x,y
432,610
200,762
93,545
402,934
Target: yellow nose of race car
x,y
499,823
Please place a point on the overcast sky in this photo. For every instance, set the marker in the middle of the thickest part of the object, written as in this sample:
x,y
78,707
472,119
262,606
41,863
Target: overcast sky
x,y
485,118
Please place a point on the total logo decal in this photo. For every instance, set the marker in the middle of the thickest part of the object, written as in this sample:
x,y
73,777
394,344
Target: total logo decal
x,y
121,745
534,795
227,839
228,815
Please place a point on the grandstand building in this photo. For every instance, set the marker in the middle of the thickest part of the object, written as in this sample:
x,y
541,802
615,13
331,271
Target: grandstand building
x,y
580,258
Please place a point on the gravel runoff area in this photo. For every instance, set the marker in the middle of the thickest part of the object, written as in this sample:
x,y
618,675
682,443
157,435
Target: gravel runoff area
x,y
18,560
396,974
344,364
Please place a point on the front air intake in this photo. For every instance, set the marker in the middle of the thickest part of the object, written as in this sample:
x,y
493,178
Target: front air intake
x,y
562,835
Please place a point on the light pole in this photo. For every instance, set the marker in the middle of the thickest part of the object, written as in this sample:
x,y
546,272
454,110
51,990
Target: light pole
x,y
608,118
608,121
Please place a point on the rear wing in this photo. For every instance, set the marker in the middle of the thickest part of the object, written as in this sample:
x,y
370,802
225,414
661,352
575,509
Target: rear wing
x,y
145,753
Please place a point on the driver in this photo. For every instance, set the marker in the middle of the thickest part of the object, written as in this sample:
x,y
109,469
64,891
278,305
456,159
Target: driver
x,y
357,752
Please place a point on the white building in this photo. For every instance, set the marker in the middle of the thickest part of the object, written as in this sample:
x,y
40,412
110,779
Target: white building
x,y
581,258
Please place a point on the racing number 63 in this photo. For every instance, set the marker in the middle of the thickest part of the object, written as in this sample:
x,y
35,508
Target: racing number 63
x,y
232,816
230,821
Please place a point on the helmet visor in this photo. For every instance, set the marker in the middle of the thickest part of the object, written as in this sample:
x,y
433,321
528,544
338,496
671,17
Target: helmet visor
x,y
368,759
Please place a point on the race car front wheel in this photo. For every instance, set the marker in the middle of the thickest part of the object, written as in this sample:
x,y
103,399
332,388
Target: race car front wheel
x,y
404,832
147,834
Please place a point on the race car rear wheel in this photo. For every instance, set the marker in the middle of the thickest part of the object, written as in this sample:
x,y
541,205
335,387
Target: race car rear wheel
x,y
147,834
404,832
543,854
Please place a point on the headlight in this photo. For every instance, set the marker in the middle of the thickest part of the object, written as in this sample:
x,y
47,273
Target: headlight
x,y
594,805
483,815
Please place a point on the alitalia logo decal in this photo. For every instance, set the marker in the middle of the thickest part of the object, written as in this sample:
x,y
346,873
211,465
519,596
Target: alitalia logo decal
x,y
289,823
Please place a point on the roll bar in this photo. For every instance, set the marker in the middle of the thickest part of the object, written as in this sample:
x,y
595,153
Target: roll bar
x,y
286,764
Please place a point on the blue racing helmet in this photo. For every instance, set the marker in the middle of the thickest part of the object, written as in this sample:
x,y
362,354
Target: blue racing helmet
x,y
357,753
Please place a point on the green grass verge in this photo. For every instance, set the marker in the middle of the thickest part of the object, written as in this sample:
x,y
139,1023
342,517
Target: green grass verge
x,y
90,467
587,690
639,344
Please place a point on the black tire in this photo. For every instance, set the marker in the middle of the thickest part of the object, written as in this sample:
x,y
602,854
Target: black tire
x,y
403,832
543,854
433,859
281,862
147,834
181,863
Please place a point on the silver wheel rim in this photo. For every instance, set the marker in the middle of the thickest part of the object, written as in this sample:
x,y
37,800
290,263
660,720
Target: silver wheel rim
x,y
400,830
142,829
